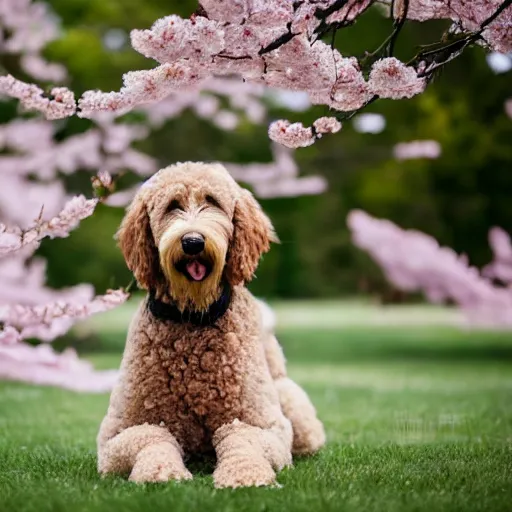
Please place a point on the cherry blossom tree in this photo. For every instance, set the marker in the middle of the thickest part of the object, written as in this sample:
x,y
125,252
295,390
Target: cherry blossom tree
x,y
52,313
34,203
279,43
414,262
234,49
278,178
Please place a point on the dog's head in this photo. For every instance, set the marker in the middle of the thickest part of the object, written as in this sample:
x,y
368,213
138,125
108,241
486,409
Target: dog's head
x,y
189,228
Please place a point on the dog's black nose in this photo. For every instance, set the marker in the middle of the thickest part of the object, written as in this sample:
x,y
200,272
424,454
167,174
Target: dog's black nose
x,y
192,243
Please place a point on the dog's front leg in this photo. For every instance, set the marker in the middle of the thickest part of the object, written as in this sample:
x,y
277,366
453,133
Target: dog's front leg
x,y
247,455
150,453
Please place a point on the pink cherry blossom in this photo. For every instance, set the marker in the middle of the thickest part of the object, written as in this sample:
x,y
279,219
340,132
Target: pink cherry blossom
x,y
43,366
508,107
470,15
279,178
140,87
349,11
304,19
45,321
75,210
297,136
34,204
27,28
351,91
291,135
172,38
417,149
326,125
390,78
60,103
9,242
40,69
265,42
9,336
501,266
278,44
413,261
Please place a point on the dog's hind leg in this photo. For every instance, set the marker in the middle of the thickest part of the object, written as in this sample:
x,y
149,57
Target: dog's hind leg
x,y
148,452
308,431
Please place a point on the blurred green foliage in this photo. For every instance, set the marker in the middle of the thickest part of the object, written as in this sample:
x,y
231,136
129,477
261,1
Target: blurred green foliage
x,y
455,198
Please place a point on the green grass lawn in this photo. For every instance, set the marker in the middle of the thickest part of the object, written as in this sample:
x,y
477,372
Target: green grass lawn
x,y
418,417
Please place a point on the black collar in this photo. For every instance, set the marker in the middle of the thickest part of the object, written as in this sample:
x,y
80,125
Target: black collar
x,y
165,311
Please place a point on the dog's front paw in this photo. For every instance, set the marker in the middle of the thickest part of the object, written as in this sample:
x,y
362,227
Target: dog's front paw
x,y
154,472
159,462
244,473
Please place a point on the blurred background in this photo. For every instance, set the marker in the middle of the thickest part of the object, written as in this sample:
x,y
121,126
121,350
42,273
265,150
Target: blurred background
x,y
455,197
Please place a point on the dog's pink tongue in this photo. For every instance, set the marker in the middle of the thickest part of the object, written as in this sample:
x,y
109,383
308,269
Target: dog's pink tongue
x,y
196,270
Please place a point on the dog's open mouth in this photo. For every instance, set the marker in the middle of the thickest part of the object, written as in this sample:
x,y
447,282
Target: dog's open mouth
x,y
195,269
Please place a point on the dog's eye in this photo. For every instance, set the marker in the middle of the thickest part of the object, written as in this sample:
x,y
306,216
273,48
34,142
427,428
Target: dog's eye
x,y
212,201
174,206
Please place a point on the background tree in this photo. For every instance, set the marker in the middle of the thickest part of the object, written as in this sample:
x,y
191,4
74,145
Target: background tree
x,y
42,161
315,51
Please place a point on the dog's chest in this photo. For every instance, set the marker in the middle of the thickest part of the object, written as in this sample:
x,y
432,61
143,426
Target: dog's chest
x,y
203,371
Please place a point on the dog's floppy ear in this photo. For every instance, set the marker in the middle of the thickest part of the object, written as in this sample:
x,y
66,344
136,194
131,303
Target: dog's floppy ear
x,y
137,244
252,235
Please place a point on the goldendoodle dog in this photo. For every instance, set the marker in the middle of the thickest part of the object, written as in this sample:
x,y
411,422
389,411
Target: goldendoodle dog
x,y
200,373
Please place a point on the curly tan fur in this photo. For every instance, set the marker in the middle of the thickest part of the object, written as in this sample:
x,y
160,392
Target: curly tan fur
x,y
187,389
252,235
